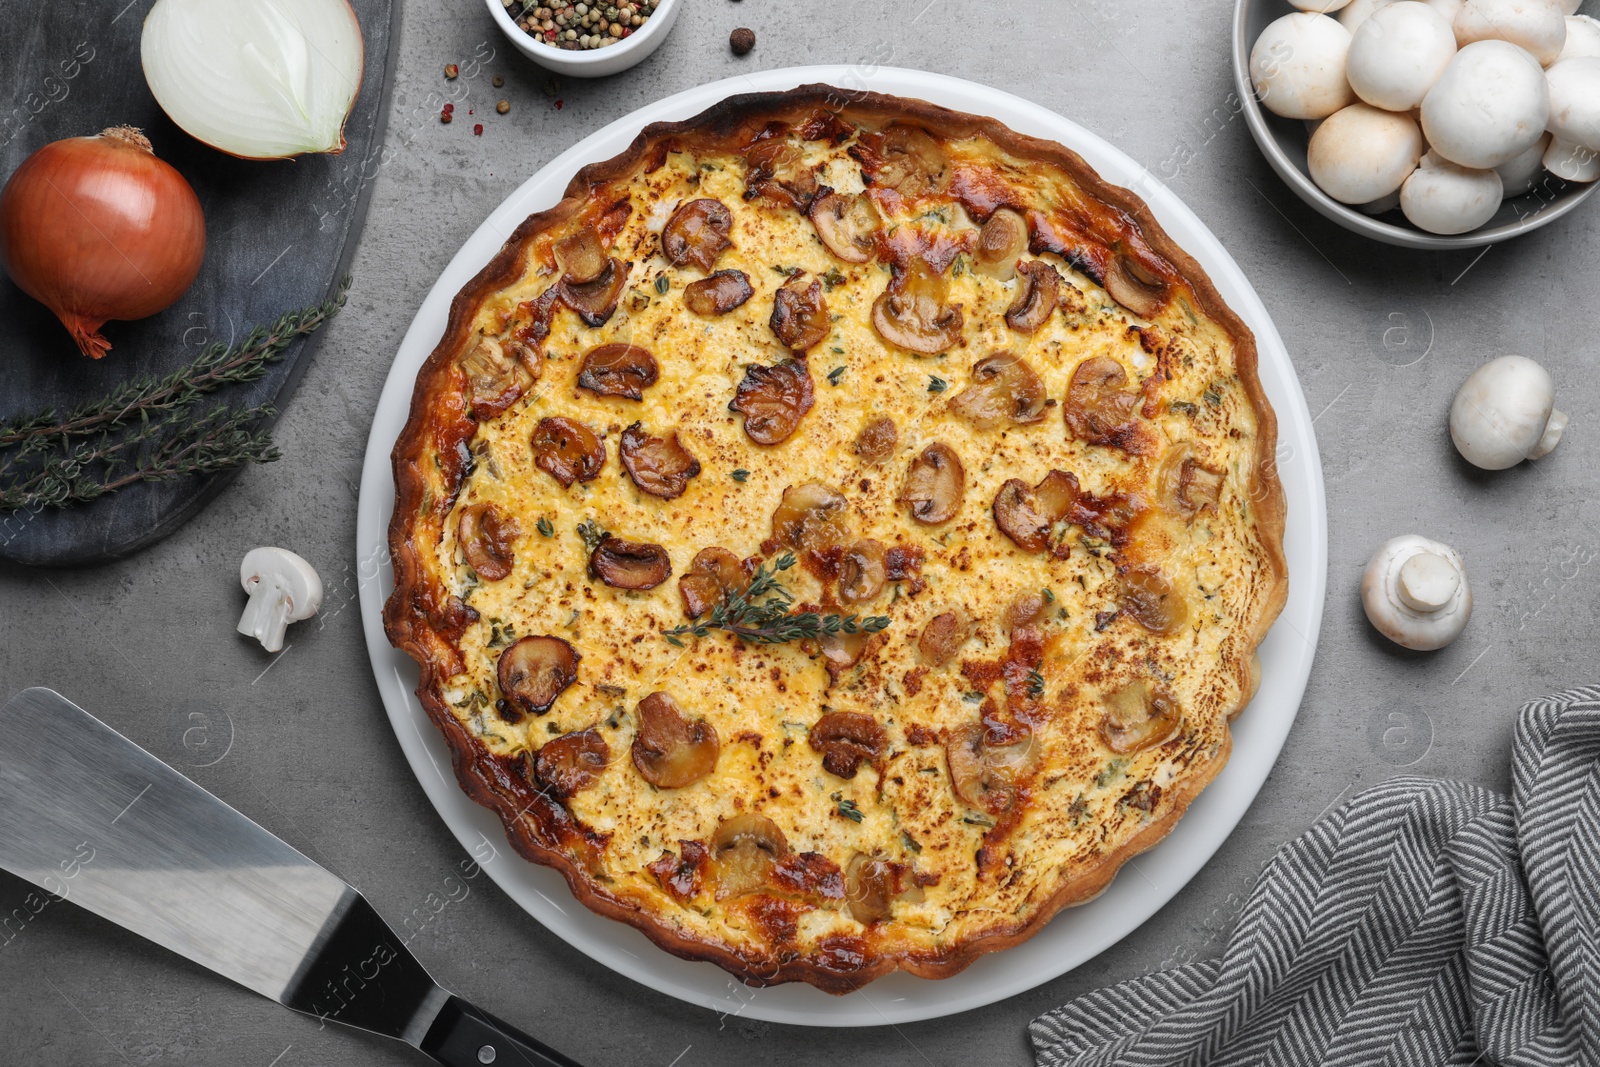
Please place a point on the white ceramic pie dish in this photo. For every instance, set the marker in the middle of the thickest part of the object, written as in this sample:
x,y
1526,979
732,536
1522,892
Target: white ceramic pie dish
x,y
1073,936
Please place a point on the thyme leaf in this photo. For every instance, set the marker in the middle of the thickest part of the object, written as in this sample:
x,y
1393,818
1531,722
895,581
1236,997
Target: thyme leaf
x,y
761,615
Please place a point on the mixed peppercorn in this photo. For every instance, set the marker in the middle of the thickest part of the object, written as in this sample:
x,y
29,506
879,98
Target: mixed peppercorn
x,y
579,26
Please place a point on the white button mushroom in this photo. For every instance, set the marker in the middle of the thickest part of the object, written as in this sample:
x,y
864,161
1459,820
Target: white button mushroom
x,y
1358,11
1415,592
1583,38
1571,161
1297,66
1381,205
283,588
1518,174
1570,7
1537,26
1362,153
1575,101
1321,7
1444,197
1505,413
1398,53
1489,105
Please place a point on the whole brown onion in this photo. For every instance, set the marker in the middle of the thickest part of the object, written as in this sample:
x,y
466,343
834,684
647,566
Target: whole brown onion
x,y
98,228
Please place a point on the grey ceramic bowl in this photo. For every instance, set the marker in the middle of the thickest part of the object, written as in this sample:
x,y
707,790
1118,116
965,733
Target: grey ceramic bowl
x,y
1283,141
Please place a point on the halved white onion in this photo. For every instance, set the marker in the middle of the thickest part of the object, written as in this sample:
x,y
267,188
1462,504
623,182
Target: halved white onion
x,y
260,79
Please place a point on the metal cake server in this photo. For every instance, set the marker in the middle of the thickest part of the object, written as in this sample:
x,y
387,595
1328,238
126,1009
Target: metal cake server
x,y
90,816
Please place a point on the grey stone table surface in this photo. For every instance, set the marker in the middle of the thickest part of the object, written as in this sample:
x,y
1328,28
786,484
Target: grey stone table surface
x,y
299,742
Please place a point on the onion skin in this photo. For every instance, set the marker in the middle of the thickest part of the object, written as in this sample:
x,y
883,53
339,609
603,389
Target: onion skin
x,y
98,228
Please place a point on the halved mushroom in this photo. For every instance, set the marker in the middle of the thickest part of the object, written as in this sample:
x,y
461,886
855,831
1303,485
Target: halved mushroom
x,y
1001,242
1025,612
1147,596
811,516
912,312
595,301
943,637
876,441
697,233
862,571
1138,716
629,564
841,651
659,466
572,762
1135,286
1004,389
581,256
1029,514
985,776
1039,288
669,750
1186,486
873,883
618,370
776,169
773,400
1099,405
934,485
846,740
910,161
847,225
498,373
745,848
799,314
532,673
714,575
485,534
718,294
567,450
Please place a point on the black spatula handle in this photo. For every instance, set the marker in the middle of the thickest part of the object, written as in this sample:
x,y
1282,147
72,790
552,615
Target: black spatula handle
x,y
465,1036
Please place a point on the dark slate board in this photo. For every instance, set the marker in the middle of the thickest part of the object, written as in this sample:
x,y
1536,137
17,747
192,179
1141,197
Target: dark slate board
x,y
279,236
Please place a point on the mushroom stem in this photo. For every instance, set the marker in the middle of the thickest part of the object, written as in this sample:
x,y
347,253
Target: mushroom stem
x,y
266,616
1427,582
1551,436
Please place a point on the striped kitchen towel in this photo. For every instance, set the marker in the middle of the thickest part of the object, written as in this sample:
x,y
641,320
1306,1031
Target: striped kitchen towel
x,y
1423,923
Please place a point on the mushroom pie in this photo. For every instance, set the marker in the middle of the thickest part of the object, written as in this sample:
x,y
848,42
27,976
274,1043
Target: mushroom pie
x,y
837,536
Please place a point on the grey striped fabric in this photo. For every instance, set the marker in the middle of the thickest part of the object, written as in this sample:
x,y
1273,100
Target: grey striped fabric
x,y
1422,923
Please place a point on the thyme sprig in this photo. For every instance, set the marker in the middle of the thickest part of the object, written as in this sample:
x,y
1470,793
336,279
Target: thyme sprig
x,y
149,429
761,615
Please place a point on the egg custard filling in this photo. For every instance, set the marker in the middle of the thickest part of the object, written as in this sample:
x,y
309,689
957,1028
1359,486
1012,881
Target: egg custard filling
x,y
837,535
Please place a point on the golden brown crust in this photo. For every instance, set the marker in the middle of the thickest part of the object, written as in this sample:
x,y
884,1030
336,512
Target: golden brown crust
x,y
438,428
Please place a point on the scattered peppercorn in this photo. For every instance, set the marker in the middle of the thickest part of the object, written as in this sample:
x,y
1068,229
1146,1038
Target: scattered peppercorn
x,y
451,71
445,115
497,81
742,40
503,106
477,129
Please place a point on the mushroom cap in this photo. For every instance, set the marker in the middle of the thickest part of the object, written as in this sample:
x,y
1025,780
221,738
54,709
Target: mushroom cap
x,y
1570,7
1362,153
1583,38
1321,7
1501,412
1442,197
1297,66
1518,173
299,579
1415,592
1381,205
1537,26
1398,53
1488,106
1571,161
1575,101
1358,11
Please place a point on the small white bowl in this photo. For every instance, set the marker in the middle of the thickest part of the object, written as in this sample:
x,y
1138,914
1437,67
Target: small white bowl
x,y
1284,141
591,62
